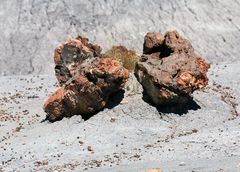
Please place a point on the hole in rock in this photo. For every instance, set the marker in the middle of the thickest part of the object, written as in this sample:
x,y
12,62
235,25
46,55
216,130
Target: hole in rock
x,y
165,52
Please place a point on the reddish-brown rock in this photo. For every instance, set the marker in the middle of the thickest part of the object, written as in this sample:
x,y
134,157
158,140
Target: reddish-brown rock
x,y
169,70
86,79
69,55
152,40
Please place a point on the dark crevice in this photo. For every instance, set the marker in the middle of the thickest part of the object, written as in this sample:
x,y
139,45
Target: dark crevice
x,y
115,99
164,51
91,78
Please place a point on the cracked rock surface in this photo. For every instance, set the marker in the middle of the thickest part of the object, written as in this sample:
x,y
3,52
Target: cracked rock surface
x,y
87,80
169,69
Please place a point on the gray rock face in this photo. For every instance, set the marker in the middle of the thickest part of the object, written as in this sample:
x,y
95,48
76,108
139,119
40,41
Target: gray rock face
x,y
31,29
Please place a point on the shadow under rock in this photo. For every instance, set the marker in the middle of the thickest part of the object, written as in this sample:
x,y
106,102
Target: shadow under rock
x,y
113,100
178,109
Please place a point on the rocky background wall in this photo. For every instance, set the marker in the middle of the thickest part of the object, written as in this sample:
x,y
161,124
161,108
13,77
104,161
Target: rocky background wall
x,y
31,29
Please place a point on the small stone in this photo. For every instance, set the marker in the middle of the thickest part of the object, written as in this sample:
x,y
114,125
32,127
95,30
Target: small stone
x,y
182,164
147,146
89,148
81,142
41,162
112,120
194,130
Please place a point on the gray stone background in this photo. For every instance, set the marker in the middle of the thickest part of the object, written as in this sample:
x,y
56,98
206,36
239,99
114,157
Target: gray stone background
x,y
31,29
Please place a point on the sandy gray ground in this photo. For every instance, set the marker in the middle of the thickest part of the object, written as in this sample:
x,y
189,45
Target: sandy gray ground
x,y
132,136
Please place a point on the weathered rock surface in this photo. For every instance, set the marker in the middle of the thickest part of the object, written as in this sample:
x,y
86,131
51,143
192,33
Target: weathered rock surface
x,y
68,57
86,79
169,70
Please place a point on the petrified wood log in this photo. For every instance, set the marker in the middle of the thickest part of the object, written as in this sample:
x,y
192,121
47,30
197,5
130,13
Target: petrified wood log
x,y
169,70
86,79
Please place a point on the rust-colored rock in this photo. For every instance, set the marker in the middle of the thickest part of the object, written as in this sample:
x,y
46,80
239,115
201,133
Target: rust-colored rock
x,y
86,79
152,40
71,54
169,70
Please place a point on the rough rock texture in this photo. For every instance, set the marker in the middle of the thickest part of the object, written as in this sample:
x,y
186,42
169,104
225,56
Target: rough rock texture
x,y
169,70
68,57
213,27
87,80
